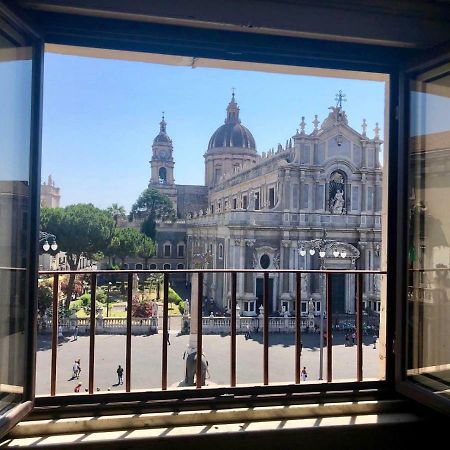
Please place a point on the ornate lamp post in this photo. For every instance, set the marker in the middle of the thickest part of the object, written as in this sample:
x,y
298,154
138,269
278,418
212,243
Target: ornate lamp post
x,y
321,246
47,241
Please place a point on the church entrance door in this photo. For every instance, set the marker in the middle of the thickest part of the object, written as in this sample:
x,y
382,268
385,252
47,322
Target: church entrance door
x,y
259,294
338,293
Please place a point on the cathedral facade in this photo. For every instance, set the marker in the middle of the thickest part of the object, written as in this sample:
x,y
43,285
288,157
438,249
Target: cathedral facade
x,y
312,203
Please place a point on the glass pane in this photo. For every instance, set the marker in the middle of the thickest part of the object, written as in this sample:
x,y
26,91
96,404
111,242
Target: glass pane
x,y
428,340
15,116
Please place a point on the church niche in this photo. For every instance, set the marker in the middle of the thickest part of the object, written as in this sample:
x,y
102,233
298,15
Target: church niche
x,y
337,193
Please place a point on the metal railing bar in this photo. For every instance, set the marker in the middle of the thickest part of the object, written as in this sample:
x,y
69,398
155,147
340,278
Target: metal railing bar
x,y
359,330
54,333
266,329
128,348
198,372
298,322
233,330
165,336
329,330
137,271
92,333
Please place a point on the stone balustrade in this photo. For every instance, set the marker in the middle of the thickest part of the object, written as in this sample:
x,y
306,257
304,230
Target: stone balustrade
x,y
213,324
104,325
210,325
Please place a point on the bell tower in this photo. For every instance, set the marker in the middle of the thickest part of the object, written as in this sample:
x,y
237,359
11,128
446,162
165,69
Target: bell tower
x,y
162,164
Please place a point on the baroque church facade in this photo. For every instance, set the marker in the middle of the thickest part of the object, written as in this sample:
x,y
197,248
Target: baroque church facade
x,y
312,203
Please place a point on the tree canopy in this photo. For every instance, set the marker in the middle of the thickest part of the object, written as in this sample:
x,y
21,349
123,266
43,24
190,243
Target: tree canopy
x,y
146,249
117,212
129,242
80,230
152,206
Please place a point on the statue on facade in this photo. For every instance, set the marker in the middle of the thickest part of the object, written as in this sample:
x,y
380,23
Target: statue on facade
x,y
251,201
336,199
338,203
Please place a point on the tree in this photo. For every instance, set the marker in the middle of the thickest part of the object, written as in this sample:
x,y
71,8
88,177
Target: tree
x,y
44,297
152,206
80,230
126,242
146,249
117,212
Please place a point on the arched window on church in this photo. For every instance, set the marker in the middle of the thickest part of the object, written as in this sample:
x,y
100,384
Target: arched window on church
x,y
337,194
162,175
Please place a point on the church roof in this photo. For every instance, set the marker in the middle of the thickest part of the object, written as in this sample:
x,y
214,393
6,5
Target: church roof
x,y
232,133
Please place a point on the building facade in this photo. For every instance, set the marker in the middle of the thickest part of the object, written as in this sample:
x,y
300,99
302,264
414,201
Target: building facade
x,y
312,203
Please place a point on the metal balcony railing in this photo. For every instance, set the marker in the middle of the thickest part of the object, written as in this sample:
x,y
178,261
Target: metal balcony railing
x,y
295,322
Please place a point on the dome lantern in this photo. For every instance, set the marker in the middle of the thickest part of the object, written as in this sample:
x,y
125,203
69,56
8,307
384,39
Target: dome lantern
x,y
232,134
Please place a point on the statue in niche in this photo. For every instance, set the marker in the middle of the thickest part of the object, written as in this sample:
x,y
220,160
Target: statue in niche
x,y
337,194
338,203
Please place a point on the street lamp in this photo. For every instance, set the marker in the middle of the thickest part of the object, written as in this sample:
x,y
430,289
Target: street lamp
x,y
47,241
107,299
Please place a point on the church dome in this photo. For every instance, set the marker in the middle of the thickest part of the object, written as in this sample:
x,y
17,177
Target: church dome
x,y
232,133
162,137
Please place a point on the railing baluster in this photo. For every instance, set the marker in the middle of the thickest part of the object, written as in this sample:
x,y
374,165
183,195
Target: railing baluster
x,y
233,329
298,326
54,333
266,328
199,330
165,336
329,331
128,348
92,333
359,328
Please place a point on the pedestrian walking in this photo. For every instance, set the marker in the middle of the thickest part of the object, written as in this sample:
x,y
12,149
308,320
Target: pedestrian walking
x,y
119,375
76,369
60,332
247,332
168,338
353,338
375,337
304,374
301,347
75,333
347,339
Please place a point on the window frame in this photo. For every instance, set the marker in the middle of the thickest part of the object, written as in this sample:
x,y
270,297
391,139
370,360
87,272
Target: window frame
x,y
165,245
268,49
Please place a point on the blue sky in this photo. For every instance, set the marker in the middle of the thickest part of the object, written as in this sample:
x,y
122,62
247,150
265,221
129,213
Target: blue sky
x,y
101,116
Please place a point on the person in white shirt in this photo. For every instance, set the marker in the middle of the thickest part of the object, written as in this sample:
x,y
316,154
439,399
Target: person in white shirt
x,y
304,374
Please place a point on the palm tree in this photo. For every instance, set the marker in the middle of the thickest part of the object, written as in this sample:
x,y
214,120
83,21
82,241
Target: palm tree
x,y
117,212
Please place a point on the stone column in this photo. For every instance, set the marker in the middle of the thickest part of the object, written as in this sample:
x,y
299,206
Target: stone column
x,y
292,265
241,265
249,244
285,261
192,345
